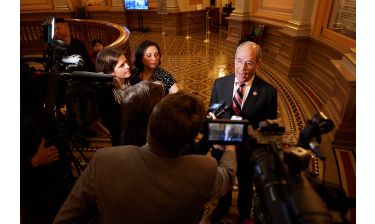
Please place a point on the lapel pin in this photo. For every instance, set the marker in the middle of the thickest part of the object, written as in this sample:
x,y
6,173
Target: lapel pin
x,y
255,93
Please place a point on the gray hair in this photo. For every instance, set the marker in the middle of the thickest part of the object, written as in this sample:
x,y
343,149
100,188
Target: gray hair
x,y
259,50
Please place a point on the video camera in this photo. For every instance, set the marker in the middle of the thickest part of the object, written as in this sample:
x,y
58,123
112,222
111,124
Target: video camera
x,y
285,191
43,92
57,60
66,66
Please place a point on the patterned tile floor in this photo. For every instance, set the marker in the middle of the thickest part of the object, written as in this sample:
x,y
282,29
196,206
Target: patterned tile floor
x,y
195,64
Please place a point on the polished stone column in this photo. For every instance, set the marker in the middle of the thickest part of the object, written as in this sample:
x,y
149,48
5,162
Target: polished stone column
x,y
63,5
241,10
239,21
300,24
117,5
293,39
172,6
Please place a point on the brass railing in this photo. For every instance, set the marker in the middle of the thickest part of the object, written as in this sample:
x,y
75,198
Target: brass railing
x,y
112,35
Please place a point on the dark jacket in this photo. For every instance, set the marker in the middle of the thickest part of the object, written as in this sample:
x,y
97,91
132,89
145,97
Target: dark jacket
x,y
80,87
260,104
109,111
147,188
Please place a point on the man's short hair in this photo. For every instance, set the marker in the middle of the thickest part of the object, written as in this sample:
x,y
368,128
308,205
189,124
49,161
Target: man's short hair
x,y
258,49
174,123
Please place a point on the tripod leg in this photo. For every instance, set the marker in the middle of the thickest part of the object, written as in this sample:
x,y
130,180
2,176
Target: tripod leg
x,y
52,93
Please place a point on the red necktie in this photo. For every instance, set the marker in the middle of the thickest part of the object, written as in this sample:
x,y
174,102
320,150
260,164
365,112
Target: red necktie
x,y
237,98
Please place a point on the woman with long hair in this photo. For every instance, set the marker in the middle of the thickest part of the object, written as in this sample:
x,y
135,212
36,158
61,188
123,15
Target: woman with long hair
x,y
147,66
110,95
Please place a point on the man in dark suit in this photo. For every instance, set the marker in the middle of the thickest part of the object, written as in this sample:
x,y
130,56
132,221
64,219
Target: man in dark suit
x,y
259,102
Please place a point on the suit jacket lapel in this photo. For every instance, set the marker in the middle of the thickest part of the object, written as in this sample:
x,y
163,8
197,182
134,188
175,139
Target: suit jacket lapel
x,y
253,96
229,83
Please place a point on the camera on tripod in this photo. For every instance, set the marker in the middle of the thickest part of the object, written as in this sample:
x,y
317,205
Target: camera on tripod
x,y
285,190
57,60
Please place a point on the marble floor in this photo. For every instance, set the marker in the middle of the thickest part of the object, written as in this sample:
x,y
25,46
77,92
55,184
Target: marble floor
x,y
196,63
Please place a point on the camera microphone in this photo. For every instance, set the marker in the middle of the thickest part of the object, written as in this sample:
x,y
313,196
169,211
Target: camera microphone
x,y
83,75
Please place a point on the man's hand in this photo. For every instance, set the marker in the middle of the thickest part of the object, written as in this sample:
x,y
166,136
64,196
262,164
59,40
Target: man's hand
x,y
224,147
44,156
212,115
219,147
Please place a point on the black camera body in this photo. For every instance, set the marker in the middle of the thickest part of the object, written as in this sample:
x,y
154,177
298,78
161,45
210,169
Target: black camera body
x,y
57,60
286,192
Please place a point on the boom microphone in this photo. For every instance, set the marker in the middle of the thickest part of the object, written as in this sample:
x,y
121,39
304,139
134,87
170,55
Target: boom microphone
x,y
83,75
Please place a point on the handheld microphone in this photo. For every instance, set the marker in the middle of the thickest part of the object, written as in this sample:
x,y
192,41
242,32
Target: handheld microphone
x,y
91,76
218,109
226,108
215,107
315,147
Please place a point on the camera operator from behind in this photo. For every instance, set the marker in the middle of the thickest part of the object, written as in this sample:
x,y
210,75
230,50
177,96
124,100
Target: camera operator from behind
x,y
79,94
154,183
253,99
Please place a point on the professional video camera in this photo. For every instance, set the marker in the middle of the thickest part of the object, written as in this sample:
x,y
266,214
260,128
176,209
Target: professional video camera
x,y
36,117
286,192
55,53
60,68
43,92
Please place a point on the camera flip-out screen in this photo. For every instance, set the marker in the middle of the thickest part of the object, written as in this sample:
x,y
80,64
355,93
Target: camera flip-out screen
x,y
225,131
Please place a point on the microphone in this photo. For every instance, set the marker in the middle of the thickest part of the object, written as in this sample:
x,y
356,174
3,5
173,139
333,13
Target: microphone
x,y
218,109
215,107
315,147
91,76
226,108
